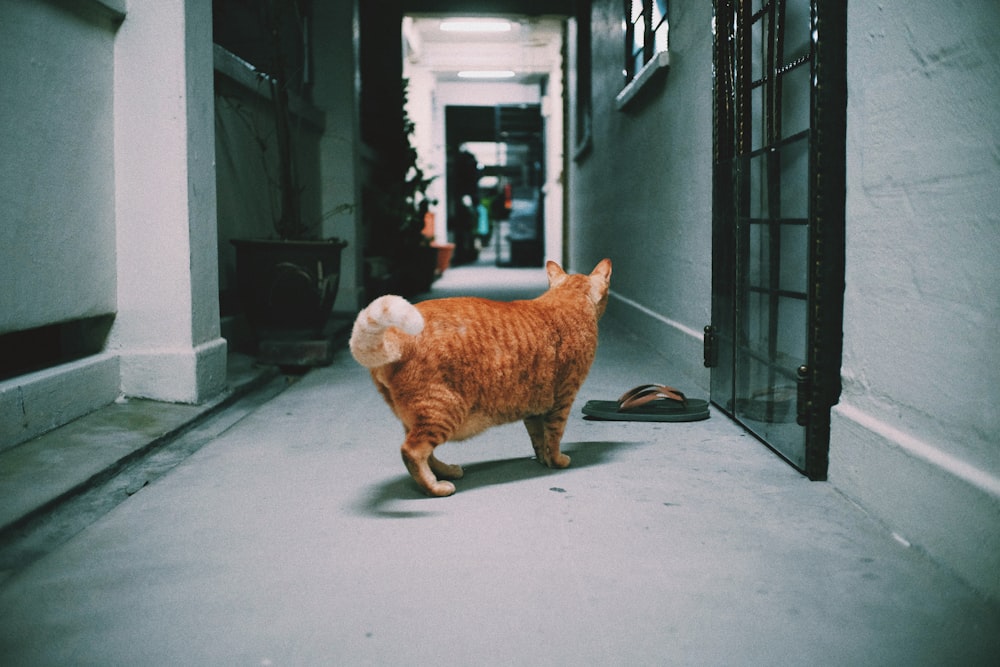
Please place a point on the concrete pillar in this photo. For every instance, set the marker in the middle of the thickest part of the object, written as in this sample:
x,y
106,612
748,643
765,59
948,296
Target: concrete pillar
x,y
167,328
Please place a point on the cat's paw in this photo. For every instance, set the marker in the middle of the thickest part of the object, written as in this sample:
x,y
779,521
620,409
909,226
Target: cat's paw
x,y
450,472
560,461
441,489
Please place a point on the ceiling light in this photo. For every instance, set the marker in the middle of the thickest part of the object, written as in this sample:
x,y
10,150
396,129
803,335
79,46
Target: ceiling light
x,y
474,25
487,74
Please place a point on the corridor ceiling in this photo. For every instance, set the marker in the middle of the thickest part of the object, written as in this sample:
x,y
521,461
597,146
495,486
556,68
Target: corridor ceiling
x,y
525,49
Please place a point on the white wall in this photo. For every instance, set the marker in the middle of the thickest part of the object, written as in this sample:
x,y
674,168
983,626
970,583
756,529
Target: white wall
x,y
643,194
57,247
553,114
427,114
918,429
428,101
429,98
57,233
107,184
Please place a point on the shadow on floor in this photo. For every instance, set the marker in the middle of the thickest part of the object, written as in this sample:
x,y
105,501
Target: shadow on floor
x,y
483,474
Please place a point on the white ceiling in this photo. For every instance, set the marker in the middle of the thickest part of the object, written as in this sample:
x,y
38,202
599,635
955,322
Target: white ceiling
x,y
528,48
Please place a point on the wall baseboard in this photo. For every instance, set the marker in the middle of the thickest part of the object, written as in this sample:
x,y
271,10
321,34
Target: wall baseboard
x,y
928,499
175,375
681,345
36,403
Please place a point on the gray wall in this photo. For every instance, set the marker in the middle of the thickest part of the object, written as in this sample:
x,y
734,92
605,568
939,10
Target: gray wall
x,y
924,220
57,236
643,194
917,434
246,161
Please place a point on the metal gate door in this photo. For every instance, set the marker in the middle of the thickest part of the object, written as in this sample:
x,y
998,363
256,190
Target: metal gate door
x,y
778,218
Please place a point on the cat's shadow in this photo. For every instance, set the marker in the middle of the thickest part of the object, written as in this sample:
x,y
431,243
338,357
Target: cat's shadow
x,y
381,497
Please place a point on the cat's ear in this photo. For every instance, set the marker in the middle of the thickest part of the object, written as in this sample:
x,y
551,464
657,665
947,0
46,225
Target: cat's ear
x,y
600,279
603,269
556,274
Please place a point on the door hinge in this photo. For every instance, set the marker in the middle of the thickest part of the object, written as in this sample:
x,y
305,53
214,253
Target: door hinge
x,y
711,351
802,398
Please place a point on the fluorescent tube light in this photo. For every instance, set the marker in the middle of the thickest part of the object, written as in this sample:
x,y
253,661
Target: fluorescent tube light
x,y
474,25
487,74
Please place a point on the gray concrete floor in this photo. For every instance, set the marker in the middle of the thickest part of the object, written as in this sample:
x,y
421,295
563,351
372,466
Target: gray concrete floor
x,y
295,537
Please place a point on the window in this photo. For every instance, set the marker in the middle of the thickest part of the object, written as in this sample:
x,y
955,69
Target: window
x,y
645,26
645,34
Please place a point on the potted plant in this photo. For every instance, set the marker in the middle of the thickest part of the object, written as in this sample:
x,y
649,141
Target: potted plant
x,y
287,283
402,245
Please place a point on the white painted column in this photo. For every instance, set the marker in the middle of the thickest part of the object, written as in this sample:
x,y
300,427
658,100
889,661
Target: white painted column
x,y
167,327
555,163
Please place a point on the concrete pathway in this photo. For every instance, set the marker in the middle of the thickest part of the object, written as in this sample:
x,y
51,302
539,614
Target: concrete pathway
x,y
295,537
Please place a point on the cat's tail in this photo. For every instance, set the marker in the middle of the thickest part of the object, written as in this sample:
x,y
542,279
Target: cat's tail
x,y
370,345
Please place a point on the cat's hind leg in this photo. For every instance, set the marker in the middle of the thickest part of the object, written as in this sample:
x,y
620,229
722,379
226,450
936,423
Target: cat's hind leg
x,y
418,455
546,433
444,470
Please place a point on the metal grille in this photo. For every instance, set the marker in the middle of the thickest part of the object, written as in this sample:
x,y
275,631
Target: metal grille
x,y
773,205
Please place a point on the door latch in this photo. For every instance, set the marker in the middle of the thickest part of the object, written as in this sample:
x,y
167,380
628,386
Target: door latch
x,y
711,350
802,396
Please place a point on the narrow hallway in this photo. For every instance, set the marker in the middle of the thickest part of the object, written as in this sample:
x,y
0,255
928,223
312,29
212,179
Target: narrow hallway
x,y
791,234
296,537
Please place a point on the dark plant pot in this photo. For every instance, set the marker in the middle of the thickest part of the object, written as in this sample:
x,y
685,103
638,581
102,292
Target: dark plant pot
x,y
444,253
287,287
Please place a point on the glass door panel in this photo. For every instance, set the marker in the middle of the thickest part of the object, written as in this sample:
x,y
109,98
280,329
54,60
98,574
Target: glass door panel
x,y
772,265
770,214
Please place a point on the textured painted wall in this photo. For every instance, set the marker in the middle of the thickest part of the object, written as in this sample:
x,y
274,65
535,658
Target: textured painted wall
x,y
916,437
923,222
57,235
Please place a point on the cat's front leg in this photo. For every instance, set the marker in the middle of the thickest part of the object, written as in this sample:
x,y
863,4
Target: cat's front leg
x,y
536,430
546,433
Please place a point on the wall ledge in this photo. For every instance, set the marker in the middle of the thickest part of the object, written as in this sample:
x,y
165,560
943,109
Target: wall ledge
x,y
38,402
257,82
650,72
115,8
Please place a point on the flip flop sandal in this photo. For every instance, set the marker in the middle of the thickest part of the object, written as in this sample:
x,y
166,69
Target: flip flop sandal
x,y
649,403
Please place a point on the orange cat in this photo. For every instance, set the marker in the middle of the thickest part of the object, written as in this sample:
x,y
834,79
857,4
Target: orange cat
x,y
451,368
